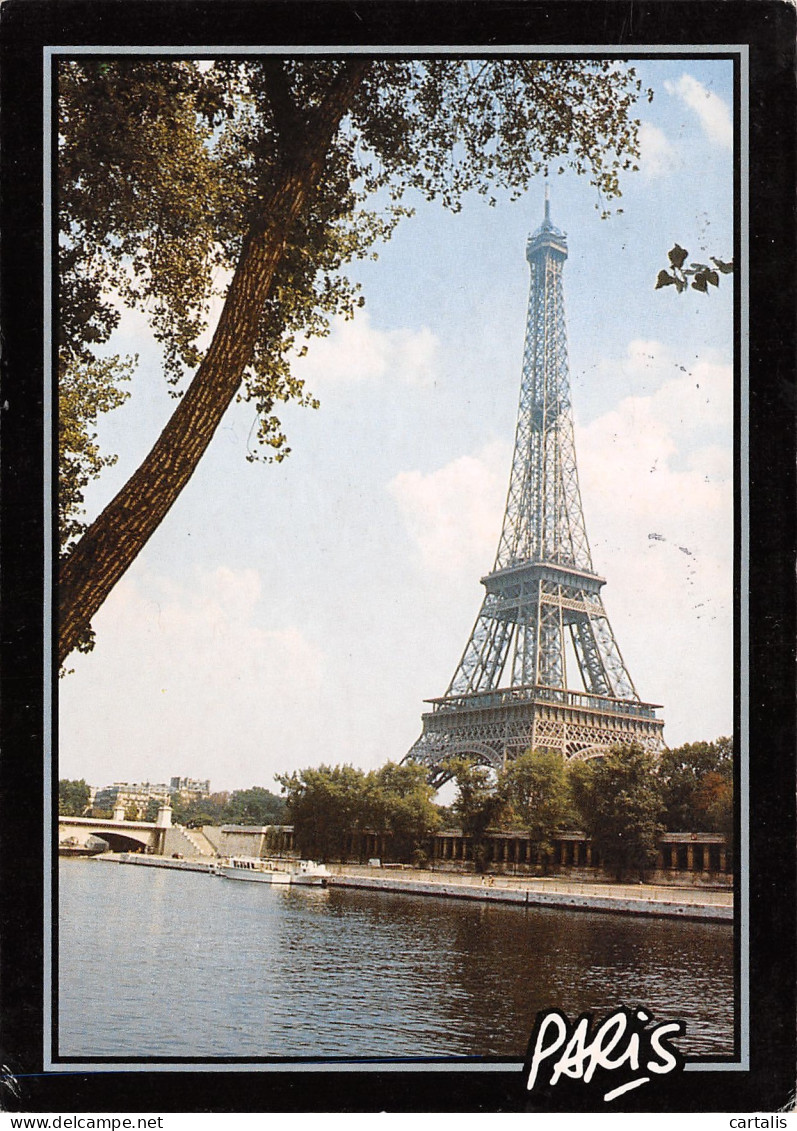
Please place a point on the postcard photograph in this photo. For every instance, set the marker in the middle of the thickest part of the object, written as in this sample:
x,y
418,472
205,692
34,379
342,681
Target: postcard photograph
x,y
556,231
398,448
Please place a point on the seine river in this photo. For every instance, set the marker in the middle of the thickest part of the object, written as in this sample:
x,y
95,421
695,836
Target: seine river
x,y
166,963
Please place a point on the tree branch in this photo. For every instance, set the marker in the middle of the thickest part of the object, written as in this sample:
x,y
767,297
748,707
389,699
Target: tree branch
x,y
283,107
116,537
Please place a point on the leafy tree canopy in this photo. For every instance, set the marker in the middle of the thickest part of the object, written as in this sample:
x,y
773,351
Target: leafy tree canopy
x,y
476,804
535,796
325,804
255,806
329,803
697,784
151,810
73,797
620,802
195,812
252,177
87,389
402,805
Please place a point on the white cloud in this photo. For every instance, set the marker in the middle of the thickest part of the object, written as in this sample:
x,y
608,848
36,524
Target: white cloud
x,y
657,156
453,514
661,461
185,676
356,351
689,398
657,484
712,111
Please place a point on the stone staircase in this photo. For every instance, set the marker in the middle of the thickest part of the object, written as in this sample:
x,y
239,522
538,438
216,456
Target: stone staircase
x,y
197,844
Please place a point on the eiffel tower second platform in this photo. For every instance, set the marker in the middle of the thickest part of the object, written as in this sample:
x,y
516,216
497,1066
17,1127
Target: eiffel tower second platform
x,y
542,612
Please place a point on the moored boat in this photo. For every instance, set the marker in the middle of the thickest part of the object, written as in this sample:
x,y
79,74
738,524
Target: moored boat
x,y
92,846
308,872
255,870
252,869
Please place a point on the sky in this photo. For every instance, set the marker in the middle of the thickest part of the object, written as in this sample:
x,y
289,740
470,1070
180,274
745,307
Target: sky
x,y
287,615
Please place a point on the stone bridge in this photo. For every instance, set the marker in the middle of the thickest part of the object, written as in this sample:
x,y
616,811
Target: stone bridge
x,y
121,835
162,838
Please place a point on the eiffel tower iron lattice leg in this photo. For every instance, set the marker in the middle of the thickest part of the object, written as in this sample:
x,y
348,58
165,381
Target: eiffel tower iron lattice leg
x,y
511,690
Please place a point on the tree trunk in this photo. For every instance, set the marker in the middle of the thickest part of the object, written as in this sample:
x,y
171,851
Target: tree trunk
x,y
115,538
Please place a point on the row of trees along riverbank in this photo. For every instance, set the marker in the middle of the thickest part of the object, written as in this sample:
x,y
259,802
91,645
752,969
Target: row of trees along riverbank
x,y
623,802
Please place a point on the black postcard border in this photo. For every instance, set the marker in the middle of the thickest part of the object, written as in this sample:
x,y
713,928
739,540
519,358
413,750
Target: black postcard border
x,y
768,28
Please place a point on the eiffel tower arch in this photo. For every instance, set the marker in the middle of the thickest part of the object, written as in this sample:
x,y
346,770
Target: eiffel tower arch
x,y
512,689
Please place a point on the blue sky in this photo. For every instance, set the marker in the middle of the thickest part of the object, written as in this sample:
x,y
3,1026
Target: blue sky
x,y
291,614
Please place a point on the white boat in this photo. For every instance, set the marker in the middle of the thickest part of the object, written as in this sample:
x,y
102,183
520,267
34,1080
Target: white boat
x,y
255,870
308,872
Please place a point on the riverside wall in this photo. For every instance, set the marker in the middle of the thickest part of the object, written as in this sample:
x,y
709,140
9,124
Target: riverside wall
x,y
639,899
629,899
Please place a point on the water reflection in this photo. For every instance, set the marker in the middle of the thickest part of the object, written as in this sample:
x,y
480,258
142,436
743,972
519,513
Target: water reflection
x,y
247,970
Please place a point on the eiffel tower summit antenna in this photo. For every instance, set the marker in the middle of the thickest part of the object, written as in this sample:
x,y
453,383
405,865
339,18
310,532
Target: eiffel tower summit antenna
x,y
542,621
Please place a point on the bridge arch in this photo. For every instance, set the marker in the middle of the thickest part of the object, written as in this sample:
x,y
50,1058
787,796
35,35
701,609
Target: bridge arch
x,y
121,842
121,836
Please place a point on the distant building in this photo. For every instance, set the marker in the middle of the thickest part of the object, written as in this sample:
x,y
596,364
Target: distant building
x,y
123,793
192,789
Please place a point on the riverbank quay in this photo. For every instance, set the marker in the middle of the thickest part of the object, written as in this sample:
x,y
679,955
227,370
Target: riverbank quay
x,y
635,899
191,865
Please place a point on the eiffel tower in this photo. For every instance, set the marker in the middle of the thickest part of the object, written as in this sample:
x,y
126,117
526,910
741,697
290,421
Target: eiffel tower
x,y
510,692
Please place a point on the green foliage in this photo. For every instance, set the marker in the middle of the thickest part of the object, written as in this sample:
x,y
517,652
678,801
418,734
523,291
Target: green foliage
x,y
701,274
195,812
329,803
134,176
714,804
534,793
212,810
169,172
255,806
476,804
73,797
697,781
620,802
163,165
151,810
85,391
401,804
324,805
579,781
139,200
445,127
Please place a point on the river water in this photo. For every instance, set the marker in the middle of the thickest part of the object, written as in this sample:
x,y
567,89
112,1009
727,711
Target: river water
x,y
162,963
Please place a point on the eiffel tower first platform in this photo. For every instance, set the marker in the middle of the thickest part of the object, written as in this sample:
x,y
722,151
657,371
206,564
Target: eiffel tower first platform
x,y
511,691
